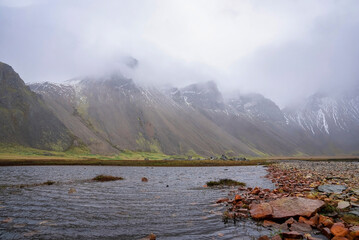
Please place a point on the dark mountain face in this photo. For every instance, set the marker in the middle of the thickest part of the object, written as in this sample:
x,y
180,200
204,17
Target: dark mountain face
x,y
24,117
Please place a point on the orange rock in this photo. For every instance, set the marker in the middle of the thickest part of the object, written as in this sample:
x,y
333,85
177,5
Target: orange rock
x,y
263,238
255,191
237,197
222,200
339,230
260,211
326,221
276,237
354,231
292,235
326,232
339,238
144,179
267,223
290,221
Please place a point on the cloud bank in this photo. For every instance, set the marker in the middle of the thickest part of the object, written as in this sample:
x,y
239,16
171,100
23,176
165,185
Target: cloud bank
x,y
285,50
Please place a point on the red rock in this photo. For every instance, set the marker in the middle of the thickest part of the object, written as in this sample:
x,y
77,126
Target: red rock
x,y
326,232
144,179
263,238
276,237
339,238
301,227
315,219
354,231
255,191
313,238
290,221
267,223
339,230
222,200
292,206
237,197
292,235
325,221
260,211
312,221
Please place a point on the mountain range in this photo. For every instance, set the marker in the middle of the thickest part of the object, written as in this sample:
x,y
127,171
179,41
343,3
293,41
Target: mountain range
x,y
112,113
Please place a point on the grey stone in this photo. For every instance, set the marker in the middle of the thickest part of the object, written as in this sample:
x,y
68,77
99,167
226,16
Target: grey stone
x,y
355,212
332,188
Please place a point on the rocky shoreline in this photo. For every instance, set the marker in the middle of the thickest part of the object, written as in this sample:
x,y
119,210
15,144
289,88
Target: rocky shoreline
x,y
311,200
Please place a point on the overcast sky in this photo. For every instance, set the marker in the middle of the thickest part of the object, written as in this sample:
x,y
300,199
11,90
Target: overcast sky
x,y
285,50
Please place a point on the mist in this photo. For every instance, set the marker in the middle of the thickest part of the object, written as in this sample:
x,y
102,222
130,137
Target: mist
x,y
285,50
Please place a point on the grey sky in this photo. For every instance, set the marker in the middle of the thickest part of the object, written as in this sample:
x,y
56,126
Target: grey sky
x,y
285,50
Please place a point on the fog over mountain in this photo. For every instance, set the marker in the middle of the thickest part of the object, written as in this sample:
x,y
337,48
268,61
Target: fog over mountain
x,y
285,50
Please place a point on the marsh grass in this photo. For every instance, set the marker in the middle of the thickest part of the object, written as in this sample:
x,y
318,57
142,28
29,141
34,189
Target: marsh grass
x,y
225,182
106,178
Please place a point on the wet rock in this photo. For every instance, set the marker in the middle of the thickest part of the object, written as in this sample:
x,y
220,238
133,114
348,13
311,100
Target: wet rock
x,y
264,238
261,211
339,230
222,200
7,220
144,179
309,237
355,212
276,237
293,206
268,223
326,221
149,237
312,221
292,235
339,238
30,234
72,190
354,231
301,227
343,205
237,197
331,188
290,221
326,232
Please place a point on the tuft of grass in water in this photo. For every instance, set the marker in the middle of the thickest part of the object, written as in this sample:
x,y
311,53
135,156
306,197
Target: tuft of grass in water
x,y
351,219
225,182
106,178
49,183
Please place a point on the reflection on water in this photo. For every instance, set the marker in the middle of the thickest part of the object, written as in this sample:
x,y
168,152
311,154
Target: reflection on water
x,y
172,204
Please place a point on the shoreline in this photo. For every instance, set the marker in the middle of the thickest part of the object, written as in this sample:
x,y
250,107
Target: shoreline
x,y
165,163
131,163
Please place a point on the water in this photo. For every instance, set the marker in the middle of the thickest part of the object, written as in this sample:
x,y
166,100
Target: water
x,y
172,204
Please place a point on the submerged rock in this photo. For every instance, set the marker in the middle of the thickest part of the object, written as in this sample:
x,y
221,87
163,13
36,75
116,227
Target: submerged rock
x,y
331,188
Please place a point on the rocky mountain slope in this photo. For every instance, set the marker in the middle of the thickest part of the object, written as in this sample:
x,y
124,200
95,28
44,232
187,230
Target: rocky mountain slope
x,y
25,118
112,113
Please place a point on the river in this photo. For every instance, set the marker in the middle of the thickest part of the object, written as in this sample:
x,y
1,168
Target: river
x,y
172,204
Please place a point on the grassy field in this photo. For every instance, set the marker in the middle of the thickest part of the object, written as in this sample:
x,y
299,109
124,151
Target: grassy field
x,y
11,155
